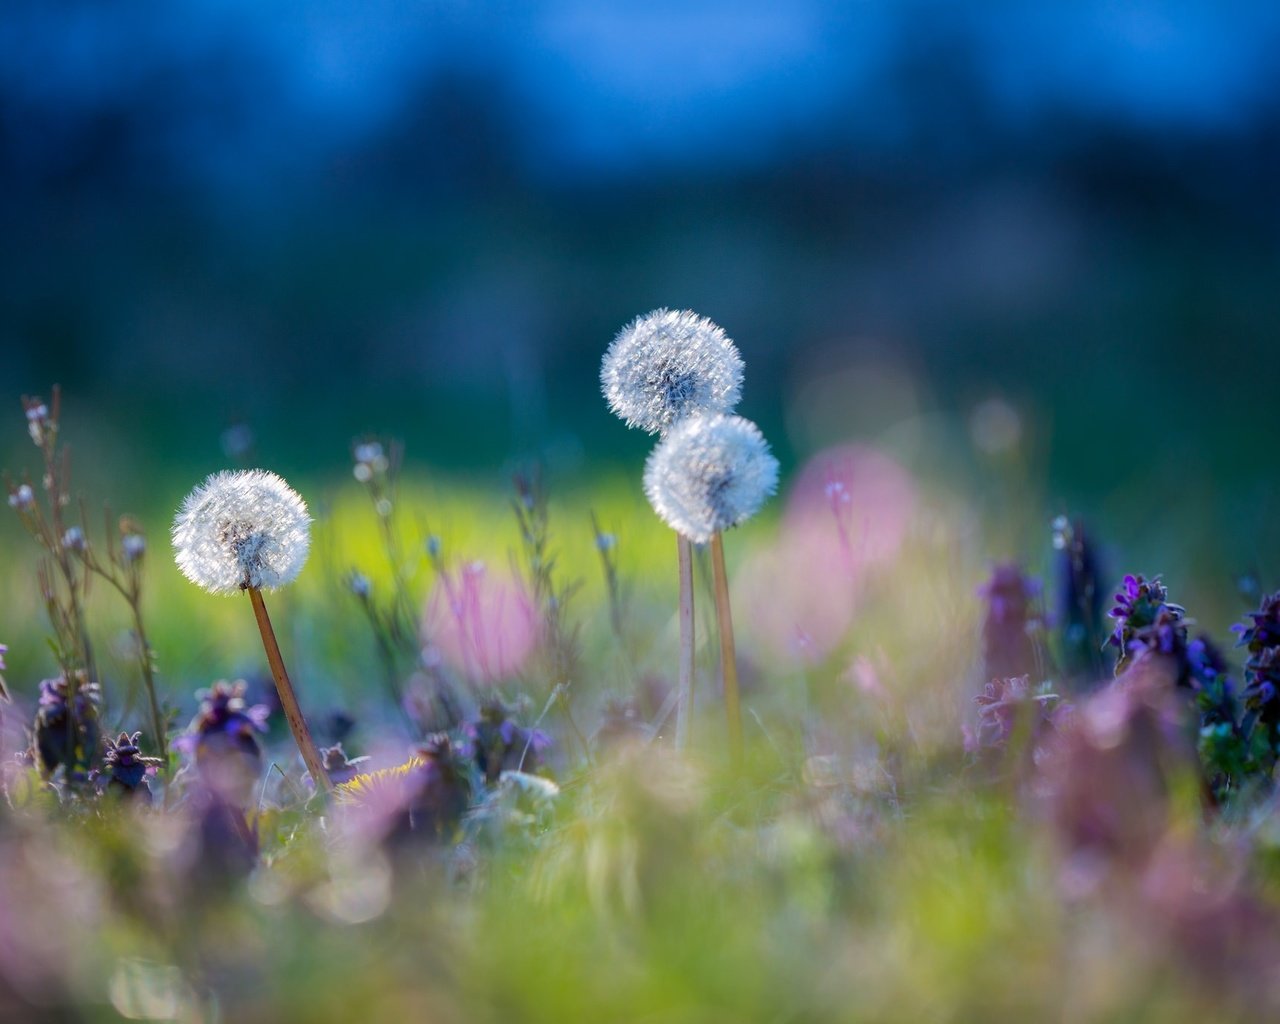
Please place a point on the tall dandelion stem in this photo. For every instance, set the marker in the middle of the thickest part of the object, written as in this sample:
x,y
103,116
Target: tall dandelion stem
x,y
288,699
728,654
685,714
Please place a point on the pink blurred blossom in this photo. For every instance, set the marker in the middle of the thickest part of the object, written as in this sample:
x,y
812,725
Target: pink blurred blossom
x,y
483,624
847,513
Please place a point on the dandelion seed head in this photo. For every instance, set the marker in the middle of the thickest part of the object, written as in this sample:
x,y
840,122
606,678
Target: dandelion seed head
x,y
708,474
667,365
242,529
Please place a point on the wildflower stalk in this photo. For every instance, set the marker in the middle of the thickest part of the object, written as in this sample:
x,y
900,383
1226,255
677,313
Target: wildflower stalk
x,y
65,603
685,711
123,571
288,699
728,654
384,635
606,545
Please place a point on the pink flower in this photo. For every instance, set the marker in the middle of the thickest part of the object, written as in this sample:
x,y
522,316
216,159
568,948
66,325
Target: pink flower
x,y
483,624
847,514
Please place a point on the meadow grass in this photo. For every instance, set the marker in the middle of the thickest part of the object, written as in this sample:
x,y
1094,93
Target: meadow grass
x,y
861,861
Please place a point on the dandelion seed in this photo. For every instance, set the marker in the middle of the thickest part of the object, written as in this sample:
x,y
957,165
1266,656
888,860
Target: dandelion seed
x,y
242,530
708,474
668,365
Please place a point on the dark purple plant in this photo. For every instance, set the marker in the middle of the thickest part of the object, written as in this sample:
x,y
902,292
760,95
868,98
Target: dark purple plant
x,y
1008,648
223,737
1147,622
125,769
341,768
497,743
1005,705
1080,602
66,730
1262,670
1110,775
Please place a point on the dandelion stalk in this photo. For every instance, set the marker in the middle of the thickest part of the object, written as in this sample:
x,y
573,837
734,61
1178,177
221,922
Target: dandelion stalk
x,y
685,711
708,474
728,654
288,698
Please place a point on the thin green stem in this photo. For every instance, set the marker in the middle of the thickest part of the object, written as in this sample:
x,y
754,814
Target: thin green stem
x,y
728,654
684,713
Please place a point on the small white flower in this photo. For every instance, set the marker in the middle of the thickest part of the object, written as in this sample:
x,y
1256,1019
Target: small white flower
x,y
708,474
73,539
667,365
242,529
22,498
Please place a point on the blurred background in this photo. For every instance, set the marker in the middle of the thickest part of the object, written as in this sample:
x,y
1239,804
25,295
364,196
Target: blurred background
x,y
1029,249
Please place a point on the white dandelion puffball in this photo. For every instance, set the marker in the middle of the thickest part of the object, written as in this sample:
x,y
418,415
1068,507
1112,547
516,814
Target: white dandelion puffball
x,y
240,530
709,473
667,365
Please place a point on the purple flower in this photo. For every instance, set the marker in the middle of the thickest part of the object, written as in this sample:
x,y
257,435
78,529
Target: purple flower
x,y
125,769
66,730
497,743
223,738
1147,621
4,649
1005,703
1008,648
339,767
1262,668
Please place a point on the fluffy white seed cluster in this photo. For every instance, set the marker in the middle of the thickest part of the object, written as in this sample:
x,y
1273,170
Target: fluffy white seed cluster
x,y
242,529
708,474
667,365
